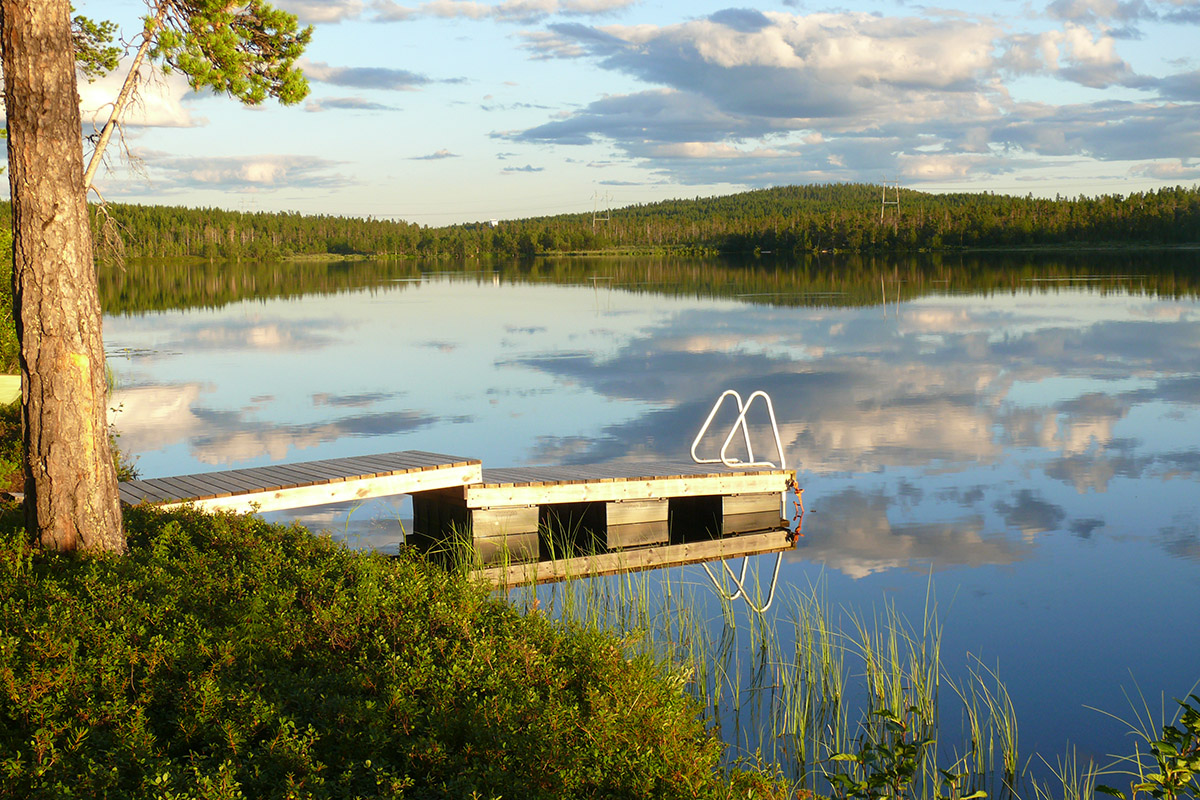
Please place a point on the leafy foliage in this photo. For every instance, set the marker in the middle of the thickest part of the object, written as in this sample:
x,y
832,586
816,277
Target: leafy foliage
x,y
95,53
226,657
1175,769
245,49
888,760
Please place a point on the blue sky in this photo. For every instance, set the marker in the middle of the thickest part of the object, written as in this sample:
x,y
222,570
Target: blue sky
x,y
459,110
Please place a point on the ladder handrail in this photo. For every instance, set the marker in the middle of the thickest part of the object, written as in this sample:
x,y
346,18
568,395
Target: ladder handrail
x,y
749,452
740,422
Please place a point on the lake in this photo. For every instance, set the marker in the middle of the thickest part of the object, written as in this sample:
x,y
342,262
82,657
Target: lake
x,y
1020,433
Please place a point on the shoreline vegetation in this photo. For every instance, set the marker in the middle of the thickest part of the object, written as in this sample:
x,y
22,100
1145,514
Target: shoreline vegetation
x,y
228,657
781,222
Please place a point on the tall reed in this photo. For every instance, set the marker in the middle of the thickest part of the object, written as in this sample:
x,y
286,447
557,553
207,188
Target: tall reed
x,y
804,683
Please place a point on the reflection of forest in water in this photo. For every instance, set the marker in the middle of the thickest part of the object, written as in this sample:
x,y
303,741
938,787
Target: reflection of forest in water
x,y
836,280
1018,431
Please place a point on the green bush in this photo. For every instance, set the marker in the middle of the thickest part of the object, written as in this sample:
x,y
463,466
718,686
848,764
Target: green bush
x,y
225,657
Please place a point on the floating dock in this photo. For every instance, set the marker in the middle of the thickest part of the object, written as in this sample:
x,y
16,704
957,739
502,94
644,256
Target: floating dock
x,y
618,517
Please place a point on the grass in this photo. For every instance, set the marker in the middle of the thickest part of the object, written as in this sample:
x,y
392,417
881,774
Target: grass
x,y
808,689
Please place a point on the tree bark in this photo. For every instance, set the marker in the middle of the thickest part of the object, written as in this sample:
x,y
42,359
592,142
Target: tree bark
x,y
71,499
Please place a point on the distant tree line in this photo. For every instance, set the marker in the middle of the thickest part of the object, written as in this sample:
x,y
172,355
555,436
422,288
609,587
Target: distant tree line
x,y
784,221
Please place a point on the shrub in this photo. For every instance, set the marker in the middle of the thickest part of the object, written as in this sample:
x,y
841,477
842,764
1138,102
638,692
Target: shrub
x,y
225,657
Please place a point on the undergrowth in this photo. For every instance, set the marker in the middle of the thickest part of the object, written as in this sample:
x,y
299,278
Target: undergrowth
x,y
227,657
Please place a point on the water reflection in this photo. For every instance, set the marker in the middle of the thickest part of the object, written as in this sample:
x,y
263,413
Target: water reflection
x,y
1034,444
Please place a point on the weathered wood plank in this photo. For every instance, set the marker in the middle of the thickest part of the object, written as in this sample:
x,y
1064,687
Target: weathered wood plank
x,y
197,486
213,482
343,491
637,559
132,492
751,503
751,512
236,481
479,495
732,524
175,486
625,512
503,521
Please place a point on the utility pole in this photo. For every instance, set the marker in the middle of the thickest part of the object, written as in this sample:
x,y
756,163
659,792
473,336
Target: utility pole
x,y
884,202
596,217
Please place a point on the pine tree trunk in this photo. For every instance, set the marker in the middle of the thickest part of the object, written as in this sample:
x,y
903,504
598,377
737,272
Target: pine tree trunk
x,y
71,499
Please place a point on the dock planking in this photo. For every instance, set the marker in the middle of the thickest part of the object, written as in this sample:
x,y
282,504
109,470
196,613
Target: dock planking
x,y
306,483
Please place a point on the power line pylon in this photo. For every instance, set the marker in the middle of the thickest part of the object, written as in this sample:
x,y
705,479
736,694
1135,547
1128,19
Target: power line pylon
x,y
596,209
884,202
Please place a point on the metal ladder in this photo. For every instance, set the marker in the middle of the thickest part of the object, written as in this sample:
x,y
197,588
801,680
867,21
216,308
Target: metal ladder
x,y
723,458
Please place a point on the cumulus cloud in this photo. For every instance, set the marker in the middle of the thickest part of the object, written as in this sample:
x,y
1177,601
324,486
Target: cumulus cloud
x,y
753,97
519,11
363,77
1123,16
345,104
1088,59
1183,86
159,102
440,154
244,173
1168,170
323,11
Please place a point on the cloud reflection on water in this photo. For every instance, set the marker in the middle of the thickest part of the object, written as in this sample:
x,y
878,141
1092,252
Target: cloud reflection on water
x,y
853,533
990,400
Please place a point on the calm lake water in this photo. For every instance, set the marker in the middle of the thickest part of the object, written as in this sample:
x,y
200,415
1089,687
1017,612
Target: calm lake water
x,y
1028,444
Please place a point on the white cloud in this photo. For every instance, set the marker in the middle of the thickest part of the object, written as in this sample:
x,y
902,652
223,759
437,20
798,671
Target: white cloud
x,y
755,98
384,78
243,173
158,102
1168,170
323,11
521,11
1089,60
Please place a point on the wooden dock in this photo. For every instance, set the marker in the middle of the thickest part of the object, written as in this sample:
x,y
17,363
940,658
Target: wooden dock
x,y
669,512
310,483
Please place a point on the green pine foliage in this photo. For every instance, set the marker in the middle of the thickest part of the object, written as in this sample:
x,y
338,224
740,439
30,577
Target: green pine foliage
x,y
784,221
226,657
245,49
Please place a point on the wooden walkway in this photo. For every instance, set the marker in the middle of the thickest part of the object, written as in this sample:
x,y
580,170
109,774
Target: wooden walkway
x,y
310,483
515,514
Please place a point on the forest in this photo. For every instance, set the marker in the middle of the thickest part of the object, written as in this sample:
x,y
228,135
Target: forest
x,y
783,221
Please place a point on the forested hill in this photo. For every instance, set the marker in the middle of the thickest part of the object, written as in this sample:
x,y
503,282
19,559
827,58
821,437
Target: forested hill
x,y
784,220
